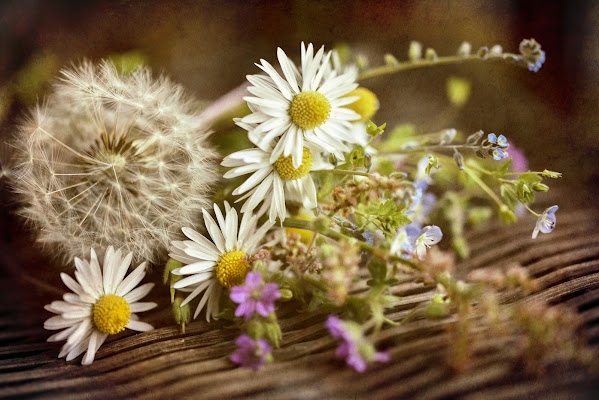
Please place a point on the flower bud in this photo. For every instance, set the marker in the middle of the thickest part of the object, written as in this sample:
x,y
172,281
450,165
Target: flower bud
x,y
415,51
431,55
181,314
286,294
507,215
540,187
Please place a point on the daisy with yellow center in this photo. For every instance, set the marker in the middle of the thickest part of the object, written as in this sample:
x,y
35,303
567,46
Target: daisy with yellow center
x,y
305,105
272,183
211,265
103,303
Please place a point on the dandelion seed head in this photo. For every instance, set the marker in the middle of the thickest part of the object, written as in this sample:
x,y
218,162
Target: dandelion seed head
x,y
105,160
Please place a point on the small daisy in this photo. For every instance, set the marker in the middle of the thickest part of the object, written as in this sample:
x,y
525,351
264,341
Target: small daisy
x,y
220,263
306,105
102,304
274,182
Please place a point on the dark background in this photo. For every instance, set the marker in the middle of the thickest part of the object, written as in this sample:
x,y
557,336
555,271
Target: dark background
x,y
209,47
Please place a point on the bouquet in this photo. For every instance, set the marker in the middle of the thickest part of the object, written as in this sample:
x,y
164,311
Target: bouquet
x,y
298,201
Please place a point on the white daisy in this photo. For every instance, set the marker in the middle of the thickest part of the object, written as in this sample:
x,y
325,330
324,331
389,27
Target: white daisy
x,y
273,182
306,104
213,265
103,303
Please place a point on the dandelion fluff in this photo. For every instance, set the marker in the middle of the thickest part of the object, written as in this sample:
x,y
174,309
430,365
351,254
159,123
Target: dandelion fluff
x,y
112,159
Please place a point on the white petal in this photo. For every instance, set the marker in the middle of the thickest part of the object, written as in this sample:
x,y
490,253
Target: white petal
x,y
58,322
121,270
196,267
143,306
214,231
91,348
81,332
204,298
256,178
196,291
231,229
131,281
200,239
71,283
62,335
138,293
139,326
193,279
219,218
108,267
288,70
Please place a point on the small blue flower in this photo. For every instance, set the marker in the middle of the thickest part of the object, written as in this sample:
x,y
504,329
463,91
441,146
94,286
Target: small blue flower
x,y
492,138
546,221
499,154
403,245
535,67
502,141
429,235
369,236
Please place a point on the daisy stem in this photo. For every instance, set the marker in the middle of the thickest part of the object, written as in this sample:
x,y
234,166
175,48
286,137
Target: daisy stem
x,y
321,228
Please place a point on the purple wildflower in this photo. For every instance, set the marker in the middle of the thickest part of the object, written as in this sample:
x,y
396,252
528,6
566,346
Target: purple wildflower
x,y
251,353
354,348
255,296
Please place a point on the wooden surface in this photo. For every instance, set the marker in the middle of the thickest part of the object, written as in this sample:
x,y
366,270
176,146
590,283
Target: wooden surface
x,y
165,363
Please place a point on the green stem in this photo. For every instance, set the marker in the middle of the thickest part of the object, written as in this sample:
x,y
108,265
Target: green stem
x,y
523,203
322,229
480,169
524,173
483,186
346,172
403,66
427,149
407,65
411,314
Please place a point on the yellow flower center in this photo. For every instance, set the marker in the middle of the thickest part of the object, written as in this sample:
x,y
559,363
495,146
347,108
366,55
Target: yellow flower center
x,y
286,171
111,314
231,268
309,110
367,104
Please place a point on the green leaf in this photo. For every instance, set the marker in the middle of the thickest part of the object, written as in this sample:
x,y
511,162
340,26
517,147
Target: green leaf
x,y
373,130
356,157
552,174
377,269
508,197
507,215
504,168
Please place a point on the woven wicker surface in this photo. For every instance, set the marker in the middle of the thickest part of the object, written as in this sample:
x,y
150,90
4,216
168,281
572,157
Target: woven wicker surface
x,y
165,363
